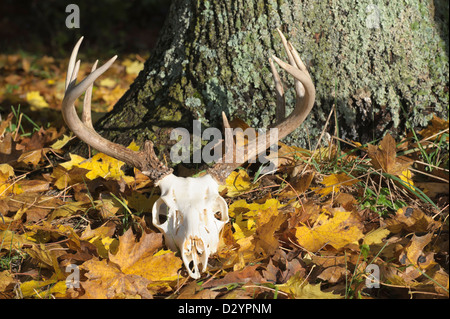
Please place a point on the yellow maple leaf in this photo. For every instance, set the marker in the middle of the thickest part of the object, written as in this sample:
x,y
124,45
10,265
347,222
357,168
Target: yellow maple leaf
x,y
59,144
250,216
100,165
333,183
108,82
43,289
237,183
376,236
36,100
340,230
144,259
298,288
133,67
406,176
7,186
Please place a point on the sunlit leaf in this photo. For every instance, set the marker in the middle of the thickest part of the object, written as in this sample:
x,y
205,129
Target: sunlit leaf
x,y
338,231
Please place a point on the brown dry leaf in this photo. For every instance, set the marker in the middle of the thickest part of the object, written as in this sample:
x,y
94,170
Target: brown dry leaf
x,y
46,256
384,157
194,291
9,149
334,274
10,240
410,219
437,125
130,251
5,123
246,275
441,282
414,252
338,231
140,258
33,157
265,241
300,183
134,271
432,189
64,178
6,280
105,280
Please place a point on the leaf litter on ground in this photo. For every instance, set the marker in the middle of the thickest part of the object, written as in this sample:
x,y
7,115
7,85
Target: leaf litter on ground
x,y
311,230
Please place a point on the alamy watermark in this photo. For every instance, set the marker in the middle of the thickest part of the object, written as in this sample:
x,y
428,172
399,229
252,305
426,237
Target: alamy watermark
x,y
73,279
372,276
73,19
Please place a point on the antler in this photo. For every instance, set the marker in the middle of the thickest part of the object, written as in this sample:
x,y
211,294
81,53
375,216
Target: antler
x,y
305,95
145,160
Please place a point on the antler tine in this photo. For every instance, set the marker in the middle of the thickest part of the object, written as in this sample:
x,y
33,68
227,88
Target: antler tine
x,y
299,89
301,109
280,112
145,160
305,95
71,66
86,115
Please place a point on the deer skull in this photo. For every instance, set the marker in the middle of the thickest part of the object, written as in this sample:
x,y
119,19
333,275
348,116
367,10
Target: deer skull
x,y
190,211
191,214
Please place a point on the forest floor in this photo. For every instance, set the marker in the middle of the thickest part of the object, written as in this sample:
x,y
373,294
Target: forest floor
x,y
342,220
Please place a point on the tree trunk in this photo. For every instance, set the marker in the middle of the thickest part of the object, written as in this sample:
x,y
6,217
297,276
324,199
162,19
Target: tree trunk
x,y
381,66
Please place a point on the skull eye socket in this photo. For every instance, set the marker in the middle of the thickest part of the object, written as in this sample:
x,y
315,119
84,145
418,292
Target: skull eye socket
x,y
218,215
220,210
162,212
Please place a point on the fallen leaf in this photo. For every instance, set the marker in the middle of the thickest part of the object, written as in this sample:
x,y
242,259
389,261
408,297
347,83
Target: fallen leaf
x,y
6,280
298,288
375,236
384,157
410,219
340,230
265,241
437,125
415,252
237,183
140,258
105,280
334,274
133,67
35,99
52,286
334,182
59,144
107,82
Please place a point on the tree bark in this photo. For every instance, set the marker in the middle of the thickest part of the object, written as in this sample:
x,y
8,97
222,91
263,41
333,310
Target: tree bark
x,y
381,65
